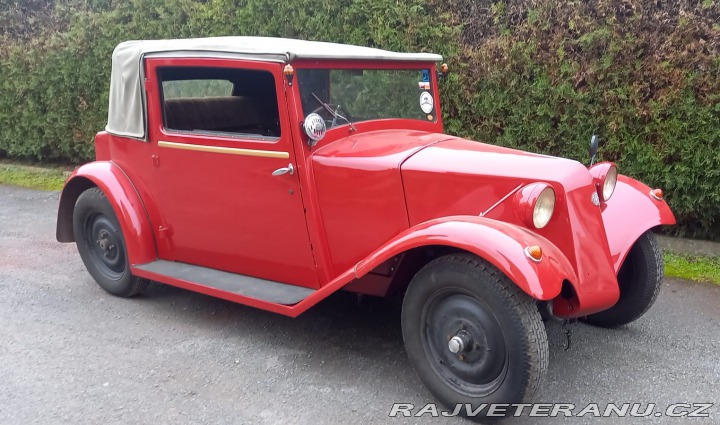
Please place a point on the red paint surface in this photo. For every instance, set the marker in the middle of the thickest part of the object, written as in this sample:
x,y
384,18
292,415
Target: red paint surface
x,y
359,198
629,213
224,211
462,177
360,190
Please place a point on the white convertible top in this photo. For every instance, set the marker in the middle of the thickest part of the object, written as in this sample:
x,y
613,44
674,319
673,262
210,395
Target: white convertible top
x,y
126,113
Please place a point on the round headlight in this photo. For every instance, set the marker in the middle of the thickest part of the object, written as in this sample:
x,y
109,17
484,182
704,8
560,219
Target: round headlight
x,y
609,184
544,207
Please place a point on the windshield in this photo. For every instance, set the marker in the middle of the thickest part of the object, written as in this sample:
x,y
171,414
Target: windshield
x,y
347,96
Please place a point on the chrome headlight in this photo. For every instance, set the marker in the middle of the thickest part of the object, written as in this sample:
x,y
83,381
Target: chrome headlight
x,y
608,186
544,208
535,204
605,176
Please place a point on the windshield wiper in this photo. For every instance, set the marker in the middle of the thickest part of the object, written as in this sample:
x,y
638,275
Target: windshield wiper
x,y
332,112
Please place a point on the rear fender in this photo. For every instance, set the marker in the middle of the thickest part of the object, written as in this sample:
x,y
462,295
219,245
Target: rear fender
x,y
124,199
501,244
630,212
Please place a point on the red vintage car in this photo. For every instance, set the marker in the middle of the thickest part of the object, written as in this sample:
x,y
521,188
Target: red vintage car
x,y
274,172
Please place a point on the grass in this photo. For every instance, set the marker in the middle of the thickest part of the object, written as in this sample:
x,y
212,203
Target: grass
x,y
698,269
32,177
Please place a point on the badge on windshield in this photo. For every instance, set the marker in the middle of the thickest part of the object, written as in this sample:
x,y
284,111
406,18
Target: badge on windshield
x,y
427,103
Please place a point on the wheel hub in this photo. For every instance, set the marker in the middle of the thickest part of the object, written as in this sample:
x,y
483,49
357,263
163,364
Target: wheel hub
x,y
105,243
465,343
105,246
460,342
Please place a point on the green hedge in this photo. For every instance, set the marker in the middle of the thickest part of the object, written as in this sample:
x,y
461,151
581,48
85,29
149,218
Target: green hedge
x,y
541,75
645,75
54,86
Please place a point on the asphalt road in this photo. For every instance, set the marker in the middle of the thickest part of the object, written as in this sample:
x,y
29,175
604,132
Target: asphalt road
x,y
70,353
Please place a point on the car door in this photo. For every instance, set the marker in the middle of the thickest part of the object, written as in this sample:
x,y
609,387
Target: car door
x,y
225,184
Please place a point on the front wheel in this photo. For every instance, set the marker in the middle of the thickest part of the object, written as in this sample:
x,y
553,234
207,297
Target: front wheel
x,y
640,278
473,336
101,244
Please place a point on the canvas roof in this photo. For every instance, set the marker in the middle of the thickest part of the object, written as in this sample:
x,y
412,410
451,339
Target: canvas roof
x,y
126,114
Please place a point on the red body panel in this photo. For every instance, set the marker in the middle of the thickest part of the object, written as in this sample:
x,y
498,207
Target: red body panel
x,y
501,244
127,204
477,176
228,211
360,190
624,229
459,176
327,269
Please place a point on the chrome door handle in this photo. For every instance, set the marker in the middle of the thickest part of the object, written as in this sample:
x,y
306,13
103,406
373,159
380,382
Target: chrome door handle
x,y
284,170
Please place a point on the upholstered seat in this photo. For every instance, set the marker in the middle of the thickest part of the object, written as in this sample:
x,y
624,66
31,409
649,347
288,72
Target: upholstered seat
x,y
234,114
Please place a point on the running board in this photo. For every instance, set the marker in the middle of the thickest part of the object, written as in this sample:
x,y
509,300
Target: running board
x,y
216,280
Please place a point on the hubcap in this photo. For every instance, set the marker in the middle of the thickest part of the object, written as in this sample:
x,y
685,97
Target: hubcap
x,y
464,343
102,238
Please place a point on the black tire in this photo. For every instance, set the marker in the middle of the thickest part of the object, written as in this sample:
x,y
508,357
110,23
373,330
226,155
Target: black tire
x,y
101,244
506,349
640,278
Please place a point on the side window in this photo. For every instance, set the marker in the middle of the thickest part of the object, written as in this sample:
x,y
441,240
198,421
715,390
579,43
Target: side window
x,y
219,101
196,88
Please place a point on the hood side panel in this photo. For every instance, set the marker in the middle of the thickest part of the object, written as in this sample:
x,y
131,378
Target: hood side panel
x,y
360,192
459,177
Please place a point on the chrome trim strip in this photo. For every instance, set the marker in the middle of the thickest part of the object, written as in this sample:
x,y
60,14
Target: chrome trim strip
x,y
483,214
219,149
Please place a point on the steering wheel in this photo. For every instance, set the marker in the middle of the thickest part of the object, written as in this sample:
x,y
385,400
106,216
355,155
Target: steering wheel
x,y
330,120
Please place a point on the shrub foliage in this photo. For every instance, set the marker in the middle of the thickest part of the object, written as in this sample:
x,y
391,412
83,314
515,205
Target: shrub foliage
x,y
540,75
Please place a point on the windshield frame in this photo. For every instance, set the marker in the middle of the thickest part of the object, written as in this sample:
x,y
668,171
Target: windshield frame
x,y
343,128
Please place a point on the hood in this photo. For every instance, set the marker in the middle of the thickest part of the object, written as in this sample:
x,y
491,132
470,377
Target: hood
x,y
382,149
462,156
458,176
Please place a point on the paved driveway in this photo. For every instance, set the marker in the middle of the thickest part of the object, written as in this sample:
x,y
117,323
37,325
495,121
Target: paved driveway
x,y
70,353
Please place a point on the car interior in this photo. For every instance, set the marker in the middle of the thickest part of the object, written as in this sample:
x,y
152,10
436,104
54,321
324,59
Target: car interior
x,y
219,100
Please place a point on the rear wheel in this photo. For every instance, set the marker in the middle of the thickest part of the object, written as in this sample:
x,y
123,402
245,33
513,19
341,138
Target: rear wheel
x,y
640,279
472,335
101,244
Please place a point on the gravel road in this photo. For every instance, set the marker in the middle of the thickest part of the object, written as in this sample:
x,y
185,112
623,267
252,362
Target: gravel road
x,y
72,354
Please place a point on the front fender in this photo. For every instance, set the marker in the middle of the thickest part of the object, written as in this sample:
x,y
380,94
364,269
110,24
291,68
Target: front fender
x,y
501,244
629,213
124,199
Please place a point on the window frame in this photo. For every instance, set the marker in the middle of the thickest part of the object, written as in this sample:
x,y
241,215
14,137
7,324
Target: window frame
x,y
158,130
344,130
354,67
